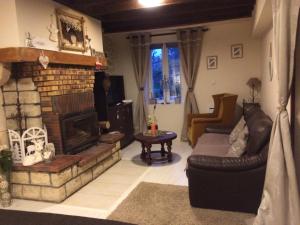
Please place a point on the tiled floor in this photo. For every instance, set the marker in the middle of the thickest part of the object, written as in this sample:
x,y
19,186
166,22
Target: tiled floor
x,y
102,196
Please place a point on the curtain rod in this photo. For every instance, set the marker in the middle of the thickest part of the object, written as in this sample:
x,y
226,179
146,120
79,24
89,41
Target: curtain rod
x,y
170,33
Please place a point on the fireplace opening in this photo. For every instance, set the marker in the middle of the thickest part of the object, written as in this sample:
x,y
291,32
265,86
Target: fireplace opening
x,y
79,132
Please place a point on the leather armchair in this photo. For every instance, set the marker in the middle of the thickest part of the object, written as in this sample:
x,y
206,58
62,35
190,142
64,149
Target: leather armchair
x,y
223,114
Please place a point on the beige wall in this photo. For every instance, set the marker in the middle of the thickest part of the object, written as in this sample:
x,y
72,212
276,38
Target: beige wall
x,y
231,75
9,35
270,88
21,16
269,94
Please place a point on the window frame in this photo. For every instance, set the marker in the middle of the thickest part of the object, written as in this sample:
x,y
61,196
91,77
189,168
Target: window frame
x,y
165,70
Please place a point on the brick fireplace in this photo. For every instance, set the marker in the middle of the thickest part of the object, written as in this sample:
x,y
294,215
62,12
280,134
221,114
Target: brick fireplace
x,y
58,97
61,97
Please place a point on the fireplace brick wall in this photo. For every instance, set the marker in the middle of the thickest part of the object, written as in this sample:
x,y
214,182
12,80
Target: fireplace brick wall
x,y
55,81
20,96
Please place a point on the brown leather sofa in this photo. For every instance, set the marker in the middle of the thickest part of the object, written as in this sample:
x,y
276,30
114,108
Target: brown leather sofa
x,y
228,183
224,105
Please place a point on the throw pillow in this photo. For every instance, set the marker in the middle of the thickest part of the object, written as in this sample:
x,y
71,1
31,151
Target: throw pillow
x,y
239,146
236,130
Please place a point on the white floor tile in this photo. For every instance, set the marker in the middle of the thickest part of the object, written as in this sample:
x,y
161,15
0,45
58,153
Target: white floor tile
x,y
102,196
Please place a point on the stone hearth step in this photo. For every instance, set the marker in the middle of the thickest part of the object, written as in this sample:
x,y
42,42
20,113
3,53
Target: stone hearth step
x,y
112,138
66,174
60,163
98,152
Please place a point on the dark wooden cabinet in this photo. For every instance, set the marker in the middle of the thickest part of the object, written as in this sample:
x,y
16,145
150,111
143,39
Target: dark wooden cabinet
x,y
109,106
121,119
249,104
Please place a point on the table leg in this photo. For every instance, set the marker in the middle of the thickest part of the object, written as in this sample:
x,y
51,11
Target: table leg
x,y
148,157
162,151
143,154
169,146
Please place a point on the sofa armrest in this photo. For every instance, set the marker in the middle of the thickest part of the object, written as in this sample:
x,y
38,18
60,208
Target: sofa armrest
x,y
227,163
219,129
190,116
206,120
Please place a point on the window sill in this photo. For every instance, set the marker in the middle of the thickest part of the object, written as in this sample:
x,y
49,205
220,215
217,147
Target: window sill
x,y
153,102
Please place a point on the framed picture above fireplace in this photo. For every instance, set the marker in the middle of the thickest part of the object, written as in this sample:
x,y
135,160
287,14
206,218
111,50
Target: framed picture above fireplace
x,y
71,31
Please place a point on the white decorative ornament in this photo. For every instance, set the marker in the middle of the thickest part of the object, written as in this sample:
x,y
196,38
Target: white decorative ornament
x,y
48,152
28,40
15,143
44,60
34,153
53,31
29,147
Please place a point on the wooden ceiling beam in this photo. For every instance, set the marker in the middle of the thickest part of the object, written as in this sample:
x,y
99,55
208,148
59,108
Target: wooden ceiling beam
x,y
171,22
104,7
128,15
172,12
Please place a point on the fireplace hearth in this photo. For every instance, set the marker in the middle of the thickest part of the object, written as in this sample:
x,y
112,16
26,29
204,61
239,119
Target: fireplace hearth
x,y
79,131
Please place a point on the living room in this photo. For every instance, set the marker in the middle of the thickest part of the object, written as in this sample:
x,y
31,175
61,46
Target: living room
x,y
119,111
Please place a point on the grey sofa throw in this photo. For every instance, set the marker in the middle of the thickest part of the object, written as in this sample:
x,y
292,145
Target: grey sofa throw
x,y
190,45
140,53
280,200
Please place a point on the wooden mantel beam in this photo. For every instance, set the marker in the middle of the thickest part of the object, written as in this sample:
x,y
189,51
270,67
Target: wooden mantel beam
x,y
23,54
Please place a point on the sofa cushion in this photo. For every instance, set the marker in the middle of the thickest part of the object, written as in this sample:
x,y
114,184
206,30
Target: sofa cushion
x,y
237,130
260,126
238,147
250,109
213,139
212,144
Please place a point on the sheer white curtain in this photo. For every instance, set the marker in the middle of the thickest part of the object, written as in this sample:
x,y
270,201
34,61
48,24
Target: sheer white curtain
x,y
280,200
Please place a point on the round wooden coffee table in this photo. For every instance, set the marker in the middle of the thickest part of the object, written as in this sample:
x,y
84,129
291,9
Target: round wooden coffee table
x,y
164,137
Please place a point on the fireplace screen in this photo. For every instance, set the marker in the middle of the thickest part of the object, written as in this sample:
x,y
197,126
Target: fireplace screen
x,y
79,132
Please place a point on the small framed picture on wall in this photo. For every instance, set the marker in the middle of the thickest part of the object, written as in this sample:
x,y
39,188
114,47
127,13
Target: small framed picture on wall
x,y
212,62
236,51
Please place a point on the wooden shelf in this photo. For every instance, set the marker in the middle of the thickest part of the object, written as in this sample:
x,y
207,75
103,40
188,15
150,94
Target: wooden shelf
x,y
23,54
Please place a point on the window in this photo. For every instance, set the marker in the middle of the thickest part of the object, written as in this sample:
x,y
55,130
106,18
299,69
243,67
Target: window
x,y
165,73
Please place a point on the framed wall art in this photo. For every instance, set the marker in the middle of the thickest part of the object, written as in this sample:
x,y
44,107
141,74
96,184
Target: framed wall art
x,y
71,31
236,51
212,62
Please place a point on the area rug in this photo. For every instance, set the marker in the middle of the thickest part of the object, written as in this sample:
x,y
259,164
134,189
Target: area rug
x,y
161,204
